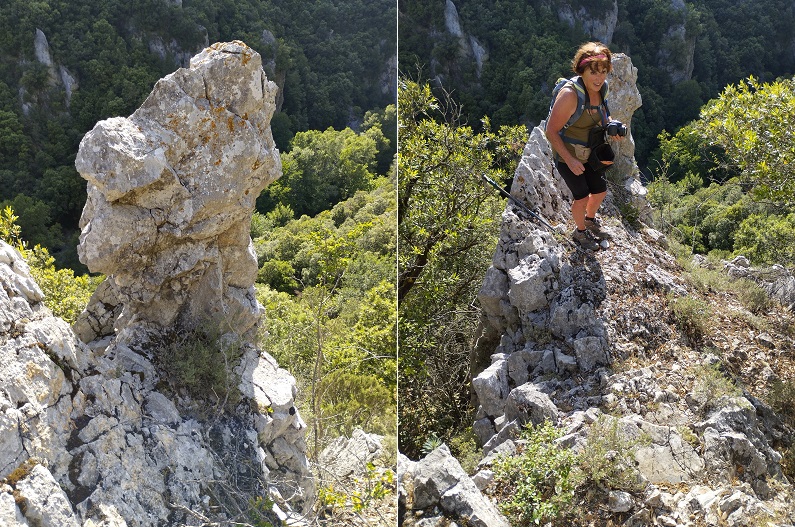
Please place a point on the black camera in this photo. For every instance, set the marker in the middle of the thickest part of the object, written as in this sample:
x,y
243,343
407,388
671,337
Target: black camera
x,y
616,128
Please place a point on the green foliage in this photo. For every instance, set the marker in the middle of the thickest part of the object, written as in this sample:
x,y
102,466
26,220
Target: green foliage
x,y
349,400
710,385
448,224
743,145
200,362
334,326
64,293
546,482
10,231
753,296
608,460
465,449
767,238
692,315
781,398
431,443
260,511
323,168
278,275
538,485
752,123
374,485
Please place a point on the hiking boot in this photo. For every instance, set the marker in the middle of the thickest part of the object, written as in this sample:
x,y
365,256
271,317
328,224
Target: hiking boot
x,y
594,226
585,240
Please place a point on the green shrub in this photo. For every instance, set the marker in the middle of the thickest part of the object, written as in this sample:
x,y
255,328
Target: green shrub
x,y
464,447
693,316
782,398
710,384
278,275
201,362
537,485
64,293
10,231
752,296
608,459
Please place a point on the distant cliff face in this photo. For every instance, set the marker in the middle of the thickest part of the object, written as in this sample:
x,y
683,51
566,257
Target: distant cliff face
x,y
93,431
597,19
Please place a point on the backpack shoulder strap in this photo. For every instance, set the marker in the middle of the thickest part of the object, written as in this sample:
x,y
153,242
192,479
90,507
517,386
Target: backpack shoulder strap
x,y
577,84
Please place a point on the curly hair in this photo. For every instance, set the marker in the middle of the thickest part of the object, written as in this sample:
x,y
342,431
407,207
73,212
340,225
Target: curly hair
x,y
592,55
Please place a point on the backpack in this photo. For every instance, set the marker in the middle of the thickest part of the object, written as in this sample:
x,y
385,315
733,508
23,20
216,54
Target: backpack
x,y
578,84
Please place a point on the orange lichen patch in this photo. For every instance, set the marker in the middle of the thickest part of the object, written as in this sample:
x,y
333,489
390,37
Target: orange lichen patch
x,y
256,165
212,125
245,58
231,124
218,162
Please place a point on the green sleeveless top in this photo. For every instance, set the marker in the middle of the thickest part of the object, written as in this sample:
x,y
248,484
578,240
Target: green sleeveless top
x,y
581,127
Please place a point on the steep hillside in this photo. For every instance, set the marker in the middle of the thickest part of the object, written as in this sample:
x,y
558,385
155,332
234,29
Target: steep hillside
x,y
665,384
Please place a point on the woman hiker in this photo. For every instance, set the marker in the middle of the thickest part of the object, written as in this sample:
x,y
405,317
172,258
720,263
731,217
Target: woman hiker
x,y
591,64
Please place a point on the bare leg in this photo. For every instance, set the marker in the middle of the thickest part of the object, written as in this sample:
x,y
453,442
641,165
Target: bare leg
x,y
578,208
594,201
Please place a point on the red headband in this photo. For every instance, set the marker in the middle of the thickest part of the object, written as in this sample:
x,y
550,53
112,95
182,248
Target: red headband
x,y
586,60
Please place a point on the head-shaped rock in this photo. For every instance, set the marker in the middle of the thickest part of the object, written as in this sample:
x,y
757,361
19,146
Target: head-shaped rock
x,y
171,191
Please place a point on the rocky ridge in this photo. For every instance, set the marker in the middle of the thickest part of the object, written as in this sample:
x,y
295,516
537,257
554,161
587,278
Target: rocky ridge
x,y
589,342
93,431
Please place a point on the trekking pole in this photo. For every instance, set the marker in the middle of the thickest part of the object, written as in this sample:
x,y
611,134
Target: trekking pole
x,y
532,213
521,205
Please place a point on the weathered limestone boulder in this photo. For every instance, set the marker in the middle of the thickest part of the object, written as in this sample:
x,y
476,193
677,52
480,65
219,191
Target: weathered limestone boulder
x,y
438,480
171,191
349,456
92,430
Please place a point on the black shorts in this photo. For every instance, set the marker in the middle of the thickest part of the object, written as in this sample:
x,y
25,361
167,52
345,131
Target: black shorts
x,y
589,182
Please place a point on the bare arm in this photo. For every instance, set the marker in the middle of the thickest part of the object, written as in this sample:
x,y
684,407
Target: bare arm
x,y
562,110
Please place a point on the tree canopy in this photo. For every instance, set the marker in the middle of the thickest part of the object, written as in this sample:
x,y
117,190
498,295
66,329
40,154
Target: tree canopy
x,y
447,230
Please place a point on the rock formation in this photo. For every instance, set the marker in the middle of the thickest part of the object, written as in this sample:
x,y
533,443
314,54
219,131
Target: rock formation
x,y
94,432
469,48
438,482
58,75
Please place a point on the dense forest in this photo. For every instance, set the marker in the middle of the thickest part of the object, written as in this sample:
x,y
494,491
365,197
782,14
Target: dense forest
x,y
685,52
68,64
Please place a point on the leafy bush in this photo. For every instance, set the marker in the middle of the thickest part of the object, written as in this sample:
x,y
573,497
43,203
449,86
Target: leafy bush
x,y
201,363
374,485
693,316
537,485
547,482
278,275
10,231
608,459
64,293
710,385
753,296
